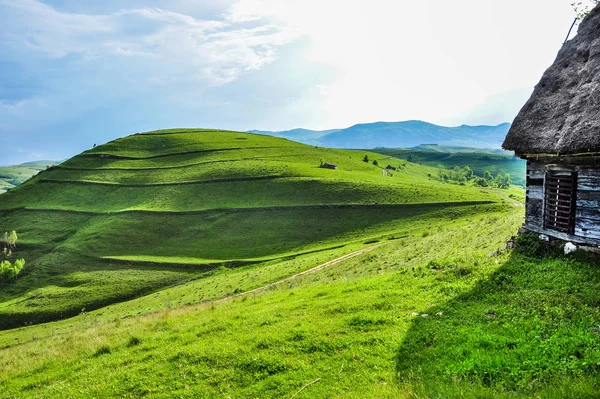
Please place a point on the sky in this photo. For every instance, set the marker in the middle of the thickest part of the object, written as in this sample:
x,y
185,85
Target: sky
x,y
74,73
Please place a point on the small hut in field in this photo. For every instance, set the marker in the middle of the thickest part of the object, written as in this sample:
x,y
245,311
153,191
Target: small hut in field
x,y
328,165
558,132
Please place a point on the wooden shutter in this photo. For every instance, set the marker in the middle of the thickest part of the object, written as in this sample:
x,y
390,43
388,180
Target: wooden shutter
x,y
560,197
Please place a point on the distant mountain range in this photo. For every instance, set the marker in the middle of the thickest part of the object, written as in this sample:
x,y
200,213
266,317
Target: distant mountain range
x,y
398,135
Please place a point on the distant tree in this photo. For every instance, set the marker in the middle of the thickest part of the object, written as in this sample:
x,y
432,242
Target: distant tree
x,y
468,172
12,239
506,182
410,158
366,159
503,181
375,162
487,176
480,181
442,172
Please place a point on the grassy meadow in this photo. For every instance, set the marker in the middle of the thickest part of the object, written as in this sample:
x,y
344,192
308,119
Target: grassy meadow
x,y
166,264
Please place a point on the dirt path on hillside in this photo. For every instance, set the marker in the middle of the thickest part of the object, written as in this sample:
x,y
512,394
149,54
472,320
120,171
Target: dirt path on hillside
x,y
314,269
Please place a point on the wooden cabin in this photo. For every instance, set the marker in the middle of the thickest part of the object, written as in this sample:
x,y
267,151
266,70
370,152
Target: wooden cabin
x,y
328,165
558,132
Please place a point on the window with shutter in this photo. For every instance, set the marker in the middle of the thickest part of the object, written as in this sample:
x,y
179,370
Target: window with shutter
x,y
560,198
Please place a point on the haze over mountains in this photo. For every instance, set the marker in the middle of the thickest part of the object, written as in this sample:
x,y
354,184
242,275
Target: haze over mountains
x,y
398,135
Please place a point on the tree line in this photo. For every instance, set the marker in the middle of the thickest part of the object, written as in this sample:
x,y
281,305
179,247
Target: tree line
x,y
466,174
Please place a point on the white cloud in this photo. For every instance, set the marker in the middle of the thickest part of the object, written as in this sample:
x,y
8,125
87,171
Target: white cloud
x,y
216,52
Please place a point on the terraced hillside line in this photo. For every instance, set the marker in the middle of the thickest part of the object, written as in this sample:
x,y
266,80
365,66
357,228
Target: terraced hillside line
x,y
256,209
132,158
261,158
180,183
313,270
190,131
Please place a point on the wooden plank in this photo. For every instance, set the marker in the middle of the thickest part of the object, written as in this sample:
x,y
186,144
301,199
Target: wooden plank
x,y
588,195
559,184
559,204
588,213
590,172
587,228
592,204
535,181
559,215
577,238
560,169
534,209
589,182
536,173
535,192
535,167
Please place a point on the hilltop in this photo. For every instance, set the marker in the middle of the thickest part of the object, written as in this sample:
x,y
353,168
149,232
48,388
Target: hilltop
x,y
399,135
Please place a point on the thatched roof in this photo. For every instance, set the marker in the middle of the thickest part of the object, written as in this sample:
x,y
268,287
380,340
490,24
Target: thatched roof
x,y
563,114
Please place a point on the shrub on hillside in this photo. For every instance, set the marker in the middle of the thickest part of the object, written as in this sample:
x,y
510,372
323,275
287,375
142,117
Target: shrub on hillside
x,y
9,271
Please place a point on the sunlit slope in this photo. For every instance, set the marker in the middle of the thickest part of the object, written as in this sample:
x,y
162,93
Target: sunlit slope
x,y
162,208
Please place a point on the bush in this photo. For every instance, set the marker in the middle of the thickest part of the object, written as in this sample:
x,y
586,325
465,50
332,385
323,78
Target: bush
x,y
9,271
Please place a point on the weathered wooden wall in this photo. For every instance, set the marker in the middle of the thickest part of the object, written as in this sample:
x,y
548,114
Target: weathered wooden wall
x,y
587,216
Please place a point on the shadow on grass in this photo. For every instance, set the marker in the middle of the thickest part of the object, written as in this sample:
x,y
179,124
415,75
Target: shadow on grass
x,y
531,329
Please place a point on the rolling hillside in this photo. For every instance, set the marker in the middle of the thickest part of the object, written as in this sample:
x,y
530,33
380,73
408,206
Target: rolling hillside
x,y
12,176
161,208
399,135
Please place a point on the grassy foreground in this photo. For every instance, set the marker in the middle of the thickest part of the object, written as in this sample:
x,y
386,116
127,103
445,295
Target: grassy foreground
x,y
342,324
399,321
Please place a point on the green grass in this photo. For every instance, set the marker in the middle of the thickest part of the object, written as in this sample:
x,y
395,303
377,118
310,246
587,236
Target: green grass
x,y
509,326
122,295
478,161
154,210
342,325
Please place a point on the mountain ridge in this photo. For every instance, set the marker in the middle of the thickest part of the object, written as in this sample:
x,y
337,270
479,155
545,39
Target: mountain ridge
x,y
402,134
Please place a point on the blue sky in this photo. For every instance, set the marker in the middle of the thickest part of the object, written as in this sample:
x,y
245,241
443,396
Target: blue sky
x,y
78,73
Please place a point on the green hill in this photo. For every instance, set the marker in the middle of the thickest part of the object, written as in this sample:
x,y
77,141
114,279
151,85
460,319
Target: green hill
x,y
197,263
161,208
12,176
